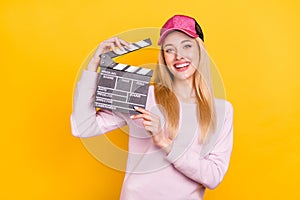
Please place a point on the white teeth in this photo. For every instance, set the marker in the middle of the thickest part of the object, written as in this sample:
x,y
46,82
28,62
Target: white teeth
x,y
182,65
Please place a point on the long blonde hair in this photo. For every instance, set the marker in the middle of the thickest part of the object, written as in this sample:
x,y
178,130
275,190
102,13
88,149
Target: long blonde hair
x,y
163,90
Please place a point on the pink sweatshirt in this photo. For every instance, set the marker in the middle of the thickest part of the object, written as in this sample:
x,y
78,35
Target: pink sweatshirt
x,y
151,174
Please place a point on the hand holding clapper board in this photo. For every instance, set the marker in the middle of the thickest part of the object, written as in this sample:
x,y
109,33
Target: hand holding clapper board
x,y
122,86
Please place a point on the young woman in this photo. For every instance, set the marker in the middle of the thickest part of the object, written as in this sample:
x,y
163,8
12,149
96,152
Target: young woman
x,y
181,142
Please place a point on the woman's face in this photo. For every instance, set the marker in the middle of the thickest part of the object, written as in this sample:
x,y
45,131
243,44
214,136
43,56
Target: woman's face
x,y
181,54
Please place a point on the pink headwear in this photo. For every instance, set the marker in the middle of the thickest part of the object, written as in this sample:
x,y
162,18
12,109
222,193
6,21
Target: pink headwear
x,y
183,23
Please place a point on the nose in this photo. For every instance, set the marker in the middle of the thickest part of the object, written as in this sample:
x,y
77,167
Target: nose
x,y
178,55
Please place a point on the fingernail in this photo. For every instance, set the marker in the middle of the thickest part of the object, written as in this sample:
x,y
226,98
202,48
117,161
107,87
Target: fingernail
x,y
132,116
135,107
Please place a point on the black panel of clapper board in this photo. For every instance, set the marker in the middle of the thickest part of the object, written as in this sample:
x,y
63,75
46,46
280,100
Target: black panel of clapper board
x,y
120,91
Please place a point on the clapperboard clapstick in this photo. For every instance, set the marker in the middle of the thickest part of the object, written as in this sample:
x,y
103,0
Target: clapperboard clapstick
x,y
122,86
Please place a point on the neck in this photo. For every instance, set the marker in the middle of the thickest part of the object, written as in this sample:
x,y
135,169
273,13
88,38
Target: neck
x,y
184,90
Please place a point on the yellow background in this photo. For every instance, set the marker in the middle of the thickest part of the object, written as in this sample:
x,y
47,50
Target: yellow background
x,y
255,44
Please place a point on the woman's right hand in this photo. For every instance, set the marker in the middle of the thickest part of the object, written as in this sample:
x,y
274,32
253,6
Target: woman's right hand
x,y
108,45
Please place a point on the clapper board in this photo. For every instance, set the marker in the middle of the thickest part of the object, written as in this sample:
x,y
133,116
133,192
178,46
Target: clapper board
x,y
122,86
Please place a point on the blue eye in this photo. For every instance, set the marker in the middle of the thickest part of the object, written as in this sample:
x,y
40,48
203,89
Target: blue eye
x,y
169,50
187,46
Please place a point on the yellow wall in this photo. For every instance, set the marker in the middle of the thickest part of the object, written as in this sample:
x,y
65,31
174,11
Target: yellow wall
x,y
255,45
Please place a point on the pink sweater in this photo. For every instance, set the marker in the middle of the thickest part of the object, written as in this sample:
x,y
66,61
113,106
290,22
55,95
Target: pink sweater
x,y
151,174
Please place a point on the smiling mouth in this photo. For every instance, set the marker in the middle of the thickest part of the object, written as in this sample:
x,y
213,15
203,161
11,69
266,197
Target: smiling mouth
x,y
182,66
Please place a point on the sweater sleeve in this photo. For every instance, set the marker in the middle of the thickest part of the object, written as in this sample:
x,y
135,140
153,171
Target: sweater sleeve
x,y
85,121
210,169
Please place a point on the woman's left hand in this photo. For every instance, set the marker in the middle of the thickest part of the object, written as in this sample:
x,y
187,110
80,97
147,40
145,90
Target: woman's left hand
x,y
152,124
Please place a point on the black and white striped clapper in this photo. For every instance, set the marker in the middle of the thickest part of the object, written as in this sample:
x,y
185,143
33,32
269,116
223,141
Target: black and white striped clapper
x,y
122,86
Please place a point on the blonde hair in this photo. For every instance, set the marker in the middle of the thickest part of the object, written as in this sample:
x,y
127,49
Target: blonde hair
x,y
163,90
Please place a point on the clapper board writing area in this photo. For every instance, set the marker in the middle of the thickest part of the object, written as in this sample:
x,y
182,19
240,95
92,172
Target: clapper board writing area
x,y
122,86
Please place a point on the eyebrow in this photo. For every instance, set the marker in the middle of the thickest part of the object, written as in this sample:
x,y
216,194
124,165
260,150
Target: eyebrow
x,y
167,45
183,41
